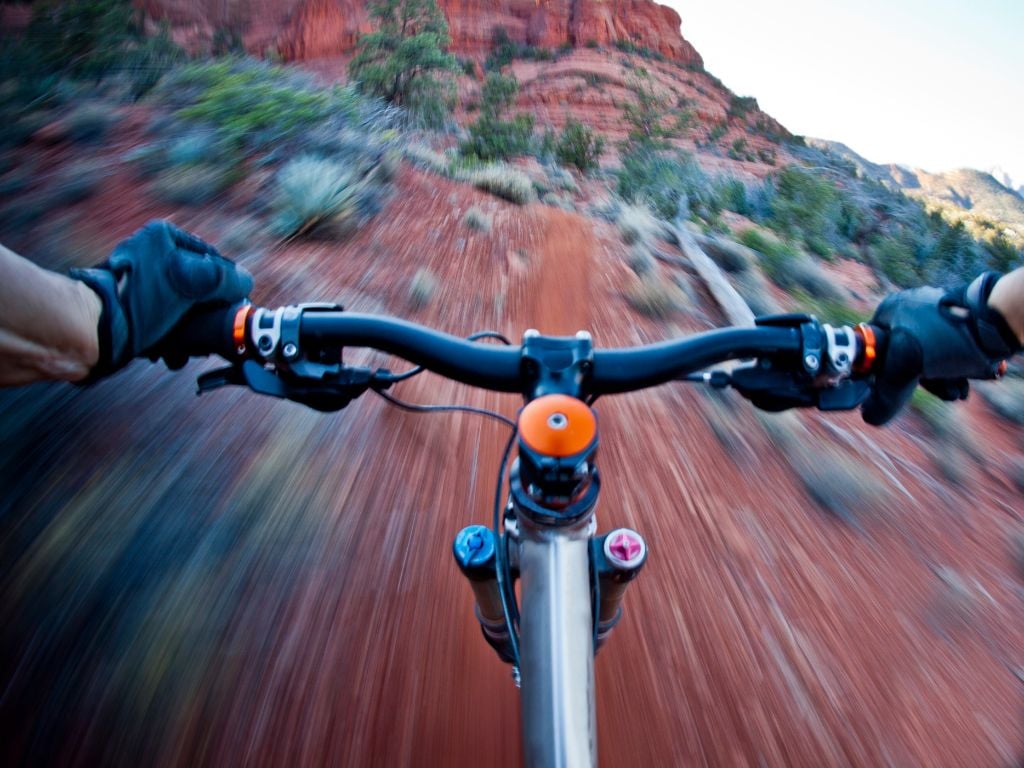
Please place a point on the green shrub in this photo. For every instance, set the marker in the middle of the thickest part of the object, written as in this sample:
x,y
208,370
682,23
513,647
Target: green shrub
x,y
13,182
578,146
426,158
740,150
253,105
316,196
562,179
652,296
193,147
670,182
151,59
503,50
76,182
89,123
1003,255
72,46
547,146
829,310
732,257
227,40
896,258
492,137
477,219
741,106
627,46
503,181
147,159
636,224
836,480
650,119
422,288
17,127
791,269
804,204
191,185
640,260
404,61
732,196
82,38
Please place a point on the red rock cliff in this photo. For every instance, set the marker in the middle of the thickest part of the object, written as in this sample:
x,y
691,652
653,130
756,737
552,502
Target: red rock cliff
x,y
306,29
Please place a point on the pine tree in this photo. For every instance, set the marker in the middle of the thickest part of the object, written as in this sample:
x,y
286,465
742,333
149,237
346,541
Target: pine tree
x,y
405,60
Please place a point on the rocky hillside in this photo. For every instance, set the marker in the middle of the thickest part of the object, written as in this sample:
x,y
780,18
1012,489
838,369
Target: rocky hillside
x,y
965,192
308,29
1006,179
234,568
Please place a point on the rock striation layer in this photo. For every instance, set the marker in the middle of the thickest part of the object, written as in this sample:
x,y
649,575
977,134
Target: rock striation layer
x,y
308,29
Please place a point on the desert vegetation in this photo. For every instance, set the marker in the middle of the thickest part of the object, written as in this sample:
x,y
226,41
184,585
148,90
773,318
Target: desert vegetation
x,y
405,60
494,135
374,187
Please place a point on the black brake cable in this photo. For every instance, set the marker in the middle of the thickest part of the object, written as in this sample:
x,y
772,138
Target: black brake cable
x,y
503,572
504,575
392,378
396,377
502,569
595,592
419,408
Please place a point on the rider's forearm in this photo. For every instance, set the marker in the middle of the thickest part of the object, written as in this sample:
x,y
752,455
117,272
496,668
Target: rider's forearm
x,y
1008,298
47,324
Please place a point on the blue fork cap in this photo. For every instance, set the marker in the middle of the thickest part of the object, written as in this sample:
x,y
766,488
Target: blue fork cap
x,y
474,547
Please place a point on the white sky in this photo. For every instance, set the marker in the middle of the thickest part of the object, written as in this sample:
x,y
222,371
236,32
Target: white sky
x,y
936,84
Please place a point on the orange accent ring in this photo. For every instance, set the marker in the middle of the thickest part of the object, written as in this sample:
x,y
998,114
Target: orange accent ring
x,y
238,330
557,425
869,349
1002,368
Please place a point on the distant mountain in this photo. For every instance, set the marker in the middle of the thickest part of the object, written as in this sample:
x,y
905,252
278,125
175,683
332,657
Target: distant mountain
x,y
1004,178
972,192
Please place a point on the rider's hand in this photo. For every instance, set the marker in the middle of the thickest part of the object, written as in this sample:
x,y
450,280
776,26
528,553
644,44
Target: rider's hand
x,y
148,284
938,339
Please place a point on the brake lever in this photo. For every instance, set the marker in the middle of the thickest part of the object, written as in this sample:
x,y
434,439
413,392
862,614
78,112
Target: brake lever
x,y
778,390
220,377
329,393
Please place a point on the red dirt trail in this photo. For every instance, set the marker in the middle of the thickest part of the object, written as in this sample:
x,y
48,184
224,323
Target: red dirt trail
x,y
235,581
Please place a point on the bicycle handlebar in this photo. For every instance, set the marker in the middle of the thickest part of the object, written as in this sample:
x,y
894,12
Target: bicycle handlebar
x,y
304,343
499,368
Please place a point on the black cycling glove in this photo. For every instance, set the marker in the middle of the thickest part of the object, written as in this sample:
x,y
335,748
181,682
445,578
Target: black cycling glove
x,y
939,339
148,284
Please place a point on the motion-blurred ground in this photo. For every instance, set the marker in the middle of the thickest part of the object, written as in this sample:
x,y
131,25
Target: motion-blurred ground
x,y
231,580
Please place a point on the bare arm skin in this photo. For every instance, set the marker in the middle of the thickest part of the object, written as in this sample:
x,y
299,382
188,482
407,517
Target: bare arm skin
x,y
47,324
1008,298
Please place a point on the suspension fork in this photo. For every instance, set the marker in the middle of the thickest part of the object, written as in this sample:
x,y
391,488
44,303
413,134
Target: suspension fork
x,y
557,644
549,524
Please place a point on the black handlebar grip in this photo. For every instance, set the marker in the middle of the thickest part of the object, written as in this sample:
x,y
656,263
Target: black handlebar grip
x,y
204,331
